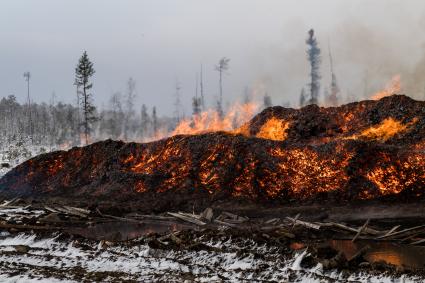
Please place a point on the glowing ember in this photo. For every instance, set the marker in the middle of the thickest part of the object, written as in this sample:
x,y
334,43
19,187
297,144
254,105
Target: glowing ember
x,y
356,151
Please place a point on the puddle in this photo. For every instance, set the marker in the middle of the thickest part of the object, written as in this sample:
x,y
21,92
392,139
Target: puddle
x,y
388,252
121,231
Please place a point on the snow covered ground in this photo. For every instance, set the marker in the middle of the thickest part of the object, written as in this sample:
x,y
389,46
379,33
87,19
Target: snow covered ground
x,y
15,154
28,258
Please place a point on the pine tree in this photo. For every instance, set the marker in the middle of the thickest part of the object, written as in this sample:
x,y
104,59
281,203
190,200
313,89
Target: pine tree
x,y
83,72
313,55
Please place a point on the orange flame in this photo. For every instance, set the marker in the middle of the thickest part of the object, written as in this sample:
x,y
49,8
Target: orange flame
x,y
274,129
210,121
386,130
391,88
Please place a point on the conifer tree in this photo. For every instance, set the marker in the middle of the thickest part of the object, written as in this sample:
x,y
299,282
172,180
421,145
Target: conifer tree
x,y
83,72
313,55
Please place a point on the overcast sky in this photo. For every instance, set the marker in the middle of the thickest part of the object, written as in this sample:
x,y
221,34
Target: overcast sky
x,y
159,41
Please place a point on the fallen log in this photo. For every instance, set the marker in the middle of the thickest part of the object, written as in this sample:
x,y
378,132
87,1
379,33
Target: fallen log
x,y
304,223
208,214
360,230
187,218
392,230
117,218
10,202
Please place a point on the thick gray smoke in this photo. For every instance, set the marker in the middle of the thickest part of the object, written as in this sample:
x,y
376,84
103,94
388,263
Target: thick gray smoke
x,y
157,42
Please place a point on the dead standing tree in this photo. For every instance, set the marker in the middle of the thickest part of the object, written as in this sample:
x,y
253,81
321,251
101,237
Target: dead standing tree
x,y
313,55
27,76
223,65
83,72
129,106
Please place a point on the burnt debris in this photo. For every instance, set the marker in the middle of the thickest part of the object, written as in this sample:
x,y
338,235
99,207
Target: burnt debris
x,y
362,150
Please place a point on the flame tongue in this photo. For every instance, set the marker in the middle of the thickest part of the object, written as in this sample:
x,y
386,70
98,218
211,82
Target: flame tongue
x,y
211,121
393,87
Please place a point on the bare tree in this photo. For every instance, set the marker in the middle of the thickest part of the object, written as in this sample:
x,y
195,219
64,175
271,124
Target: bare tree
x,y
77,126
201,84
129,103
83,72
144,121
247,95
154,121
223,65
177,103
196,101
303,98
27,76
267,101
333,96
116,117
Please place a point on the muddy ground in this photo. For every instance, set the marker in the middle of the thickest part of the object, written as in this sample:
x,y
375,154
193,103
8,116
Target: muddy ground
x,y
262,244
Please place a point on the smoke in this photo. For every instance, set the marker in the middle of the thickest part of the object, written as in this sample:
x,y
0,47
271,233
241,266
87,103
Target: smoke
x,y
371,42
367,54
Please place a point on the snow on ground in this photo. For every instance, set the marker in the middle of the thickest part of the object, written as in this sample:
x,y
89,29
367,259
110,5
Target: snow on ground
x,y
54,259
15,154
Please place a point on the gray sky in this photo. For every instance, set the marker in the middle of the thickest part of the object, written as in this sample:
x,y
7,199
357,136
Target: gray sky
x,y
157,41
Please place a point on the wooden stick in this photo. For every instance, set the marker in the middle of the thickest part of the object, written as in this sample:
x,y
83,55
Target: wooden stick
x,y
401,232
117,218
360,230
392,230
304,223
295,220
187,218
418,242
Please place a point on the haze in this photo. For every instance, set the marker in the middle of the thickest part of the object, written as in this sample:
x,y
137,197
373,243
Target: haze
x,y
159,42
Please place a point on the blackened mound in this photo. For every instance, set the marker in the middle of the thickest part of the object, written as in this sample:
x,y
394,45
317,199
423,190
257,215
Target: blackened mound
x,y
362,150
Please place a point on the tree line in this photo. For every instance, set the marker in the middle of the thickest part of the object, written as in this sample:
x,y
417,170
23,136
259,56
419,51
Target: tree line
x,y
57,123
